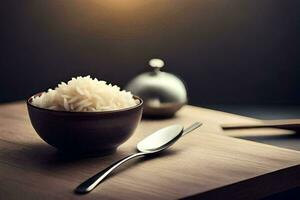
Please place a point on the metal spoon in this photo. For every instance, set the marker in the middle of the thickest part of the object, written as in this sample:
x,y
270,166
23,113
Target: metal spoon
x,y
154,143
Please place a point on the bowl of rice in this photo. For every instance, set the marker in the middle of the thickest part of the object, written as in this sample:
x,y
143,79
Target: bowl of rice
x,y
85,115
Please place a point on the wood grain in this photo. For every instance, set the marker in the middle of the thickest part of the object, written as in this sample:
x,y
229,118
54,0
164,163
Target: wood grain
x,y
205,164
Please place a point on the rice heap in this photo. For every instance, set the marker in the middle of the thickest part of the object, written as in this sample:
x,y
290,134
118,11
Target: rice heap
x,y
84,94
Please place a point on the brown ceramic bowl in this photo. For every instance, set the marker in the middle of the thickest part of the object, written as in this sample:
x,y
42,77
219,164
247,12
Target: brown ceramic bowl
x,y
85,132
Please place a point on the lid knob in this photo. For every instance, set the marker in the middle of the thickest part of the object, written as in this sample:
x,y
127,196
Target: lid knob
x,y
156,63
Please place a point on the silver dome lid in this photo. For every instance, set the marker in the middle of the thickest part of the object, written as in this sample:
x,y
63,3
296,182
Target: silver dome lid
x,y
163,93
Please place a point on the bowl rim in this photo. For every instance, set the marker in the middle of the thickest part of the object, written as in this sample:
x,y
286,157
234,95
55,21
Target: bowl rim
x,y
29,103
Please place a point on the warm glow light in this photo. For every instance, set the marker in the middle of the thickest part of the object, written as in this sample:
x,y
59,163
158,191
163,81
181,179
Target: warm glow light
x,y
121,5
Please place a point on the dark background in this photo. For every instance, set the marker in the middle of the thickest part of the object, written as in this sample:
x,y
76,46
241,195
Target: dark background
x,y
227,51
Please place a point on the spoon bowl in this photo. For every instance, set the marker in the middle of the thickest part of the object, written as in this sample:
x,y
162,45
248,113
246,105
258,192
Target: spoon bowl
x,y
160,140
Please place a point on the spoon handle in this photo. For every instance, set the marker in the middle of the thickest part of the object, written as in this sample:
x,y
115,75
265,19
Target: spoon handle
x,y
191,128
92,182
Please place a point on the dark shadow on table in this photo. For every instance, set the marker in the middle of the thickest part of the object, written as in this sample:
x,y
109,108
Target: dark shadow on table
x,y
44,157
290,141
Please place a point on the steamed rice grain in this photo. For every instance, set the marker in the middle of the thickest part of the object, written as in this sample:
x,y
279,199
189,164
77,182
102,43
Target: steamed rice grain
x,y
84,94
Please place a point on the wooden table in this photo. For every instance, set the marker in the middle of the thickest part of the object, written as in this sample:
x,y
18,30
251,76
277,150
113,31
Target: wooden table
x,y
206,164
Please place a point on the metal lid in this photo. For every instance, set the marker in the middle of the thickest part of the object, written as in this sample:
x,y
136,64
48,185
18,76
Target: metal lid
x,y
163,93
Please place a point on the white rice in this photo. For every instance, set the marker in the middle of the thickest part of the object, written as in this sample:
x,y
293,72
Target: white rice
x,y
84,94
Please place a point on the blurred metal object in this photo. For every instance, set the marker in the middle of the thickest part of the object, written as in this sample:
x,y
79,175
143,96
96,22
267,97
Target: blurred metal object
x,y
163,93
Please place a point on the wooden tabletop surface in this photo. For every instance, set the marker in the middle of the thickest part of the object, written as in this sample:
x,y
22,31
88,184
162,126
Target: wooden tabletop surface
x,y
205,164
